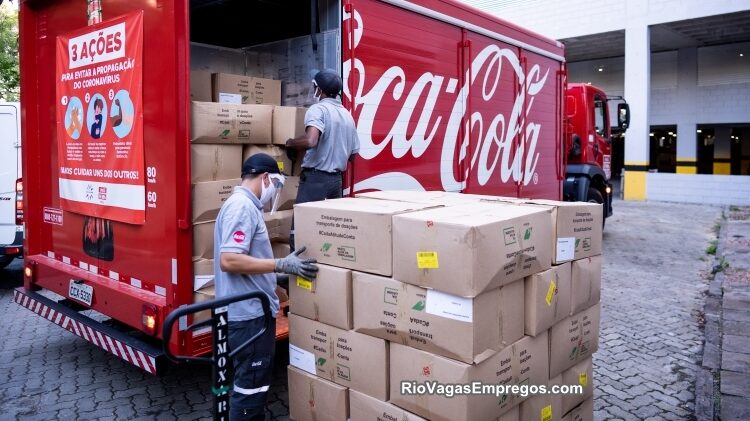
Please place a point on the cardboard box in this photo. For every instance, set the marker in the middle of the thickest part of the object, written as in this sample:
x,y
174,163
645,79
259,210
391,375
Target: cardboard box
x,y
583,412
439,198
471,248
215,162
202,295
280,249
578,229
203,240
288,123
209,196
573,340
200,86
279,225
282,294
230,123
586,283
543,407
342,356
352,233
203,273
512,415
524,362
275,152
581,374
327,298
314,399
547,298
225,83
465,329
266,91
367,408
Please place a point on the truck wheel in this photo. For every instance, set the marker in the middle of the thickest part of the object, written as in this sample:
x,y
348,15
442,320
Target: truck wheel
x,y
594,196
5,261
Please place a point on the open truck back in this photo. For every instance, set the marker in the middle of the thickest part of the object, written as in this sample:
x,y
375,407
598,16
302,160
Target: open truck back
x,y
444,96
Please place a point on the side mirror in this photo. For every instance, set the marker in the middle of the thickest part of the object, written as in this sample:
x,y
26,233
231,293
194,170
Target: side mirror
x,y
623,116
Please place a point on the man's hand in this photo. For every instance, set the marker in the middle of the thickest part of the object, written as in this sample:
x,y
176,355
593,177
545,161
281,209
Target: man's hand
x,y
293,265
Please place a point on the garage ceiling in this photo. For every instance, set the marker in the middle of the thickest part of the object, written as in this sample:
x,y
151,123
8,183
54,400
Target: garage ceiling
x,y
702,32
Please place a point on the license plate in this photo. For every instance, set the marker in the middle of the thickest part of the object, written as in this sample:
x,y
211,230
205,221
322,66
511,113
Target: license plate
x,y
81,292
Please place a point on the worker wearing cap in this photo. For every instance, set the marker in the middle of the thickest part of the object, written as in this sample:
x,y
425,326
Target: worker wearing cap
x,y
243,262
330,141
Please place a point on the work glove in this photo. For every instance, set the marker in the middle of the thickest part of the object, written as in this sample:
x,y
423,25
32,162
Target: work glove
x,y
291,153
294,265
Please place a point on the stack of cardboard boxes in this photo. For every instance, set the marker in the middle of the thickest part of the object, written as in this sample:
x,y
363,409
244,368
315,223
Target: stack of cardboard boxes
x,y
245,118
423,287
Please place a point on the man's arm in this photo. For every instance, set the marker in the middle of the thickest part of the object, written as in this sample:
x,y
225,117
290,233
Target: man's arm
x,y
305,141
242,263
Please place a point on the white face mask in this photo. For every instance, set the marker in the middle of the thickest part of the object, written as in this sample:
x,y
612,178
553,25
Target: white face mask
x,y
272,191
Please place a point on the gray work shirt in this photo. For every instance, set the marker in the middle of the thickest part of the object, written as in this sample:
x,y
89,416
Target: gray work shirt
x,y
240,229
338,136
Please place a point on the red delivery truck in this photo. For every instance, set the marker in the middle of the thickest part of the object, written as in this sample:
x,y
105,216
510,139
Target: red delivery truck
x,y
445,97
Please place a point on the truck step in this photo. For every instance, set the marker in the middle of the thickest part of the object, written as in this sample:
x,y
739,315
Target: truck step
x,y
138,353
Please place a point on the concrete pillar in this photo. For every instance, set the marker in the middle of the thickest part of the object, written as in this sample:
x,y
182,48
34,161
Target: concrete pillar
x,y
687,80
745,142
722,151
637,90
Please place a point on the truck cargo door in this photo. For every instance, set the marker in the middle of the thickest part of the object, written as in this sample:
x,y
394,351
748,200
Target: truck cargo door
x,y
401,74
9,144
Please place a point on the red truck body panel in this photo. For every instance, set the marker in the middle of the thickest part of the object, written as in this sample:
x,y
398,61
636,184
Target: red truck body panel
x,y
445,98
151,261
442,107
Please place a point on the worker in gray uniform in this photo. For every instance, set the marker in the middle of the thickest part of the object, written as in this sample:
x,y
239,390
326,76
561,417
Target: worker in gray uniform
x,y
330,142
244,262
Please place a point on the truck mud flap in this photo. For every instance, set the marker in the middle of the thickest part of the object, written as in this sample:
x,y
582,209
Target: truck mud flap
x,y
138,353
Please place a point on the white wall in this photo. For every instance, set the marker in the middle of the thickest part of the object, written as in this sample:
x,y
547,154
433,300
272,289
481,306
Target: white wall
x,y
700,188
720,96
568,18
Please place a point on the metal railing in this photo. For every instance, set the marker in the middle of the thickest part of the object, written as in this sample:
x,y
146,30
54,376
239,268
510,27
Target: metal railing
x,y
221,355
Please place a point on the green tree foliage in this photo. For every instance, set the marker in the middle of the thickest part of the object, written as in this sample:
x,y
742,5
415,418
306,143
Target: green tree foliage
x,y
9,81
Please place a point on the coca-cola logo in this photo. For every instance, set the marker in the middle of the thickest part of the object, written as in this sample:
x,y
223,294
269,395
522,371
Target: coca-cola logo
x,y
503,147
239,236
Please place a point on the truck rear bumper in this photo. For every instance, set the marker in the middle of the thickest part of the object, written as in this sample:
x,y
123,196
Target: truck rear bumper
x,y
15,249
138,353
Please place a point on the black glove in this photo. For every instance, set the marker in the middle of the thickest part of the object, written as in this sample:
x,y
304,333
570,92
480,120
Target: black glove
x,y
293,265
291,153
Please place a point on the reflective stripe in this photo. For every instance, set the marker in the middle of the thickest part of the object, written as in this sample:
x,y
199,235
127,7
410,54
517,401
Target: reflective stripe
x,y
250,391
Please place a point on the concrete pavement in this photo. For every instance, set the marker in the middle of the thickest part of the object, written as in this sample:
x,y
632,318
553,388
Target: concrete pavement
x,y
725,391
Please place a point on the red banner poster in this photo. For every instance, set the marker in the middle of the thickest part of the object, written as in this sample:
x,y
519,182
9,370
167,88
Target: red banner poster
x,y
100,120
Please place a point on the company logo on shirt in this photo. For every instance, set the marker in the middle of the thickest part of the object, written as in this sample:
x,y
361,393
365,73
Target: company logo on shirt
x,y
239,236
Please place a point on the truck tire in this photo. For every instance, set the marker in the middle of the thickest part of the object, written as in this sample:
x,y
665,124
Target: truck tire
x,y
594,196
5,261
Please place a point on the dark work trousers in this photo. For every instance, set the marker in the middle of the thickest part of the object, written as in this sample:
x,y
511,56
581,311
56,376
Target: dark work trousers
x,y
316,185
253,369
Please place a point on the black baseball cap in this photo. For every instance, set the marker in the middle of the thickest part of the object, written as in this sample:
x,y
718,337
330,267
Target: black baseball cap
x,y
328,80
260,163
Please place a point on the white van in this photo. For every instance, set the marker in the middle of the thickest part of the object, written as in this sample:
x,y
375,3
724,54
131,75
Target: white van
x,y
11,231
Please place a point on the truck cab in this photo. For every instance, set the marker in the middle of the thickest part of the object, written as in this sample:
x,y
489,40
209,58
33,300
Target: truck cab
x,y
588,144
11,228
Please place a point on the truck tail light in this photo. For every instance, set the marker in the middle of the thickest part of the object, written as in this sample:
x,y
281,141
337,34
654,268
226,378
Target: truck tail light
x,y
19,202
149,319
29,273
